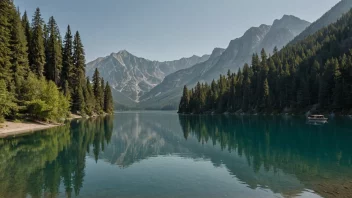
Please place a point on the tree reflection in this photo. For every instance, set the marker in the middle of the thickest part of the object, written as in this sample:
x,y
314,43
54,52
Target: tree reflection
x,y
35,165
53,162
271,143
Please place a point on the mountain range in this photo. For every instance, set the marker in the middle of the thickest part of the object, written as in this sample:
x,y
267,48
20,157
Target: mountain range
x,y
238,52
145,84
131,77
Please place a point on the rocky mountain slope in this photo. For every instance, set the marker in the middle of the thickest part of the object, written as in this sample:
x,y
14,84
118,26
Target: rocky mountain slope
x,y
239,51
180,78
131,77
328,18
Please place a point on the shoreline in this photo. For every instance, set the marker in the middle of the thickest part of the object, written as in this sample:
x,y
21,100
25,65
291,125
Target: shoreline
x,y
8,128
11,129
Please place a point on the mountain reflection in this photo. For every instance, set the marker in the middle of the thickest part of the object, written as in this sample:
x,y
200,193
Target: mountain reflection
x,y
282,154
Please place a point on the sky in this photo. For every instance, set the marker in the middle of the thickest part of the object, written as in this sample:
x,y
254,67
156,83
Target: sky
x,y
167,29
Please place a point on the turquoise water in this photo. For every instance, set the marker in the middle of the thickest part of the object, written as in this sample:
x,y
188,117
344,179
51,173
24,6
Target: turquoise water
x,y
162,154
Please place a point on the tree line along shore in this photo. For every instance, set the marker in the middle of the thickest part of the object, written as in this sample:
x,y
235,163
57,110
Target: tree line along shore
x,y
42,76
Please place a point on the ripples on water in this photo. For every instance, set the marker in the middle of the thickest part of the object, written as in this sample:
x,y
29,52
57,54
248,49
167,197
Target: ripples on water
x,y
162,154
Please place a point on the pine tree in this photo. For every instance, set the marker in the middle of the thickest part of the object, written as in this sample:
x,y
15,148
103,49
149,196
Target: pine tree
x,y
184,103
37,50
53,52
78,60
78,104
67,60
102,83
18,47
5,37
19,58
28,33
23,88
108,100
97,91
315,70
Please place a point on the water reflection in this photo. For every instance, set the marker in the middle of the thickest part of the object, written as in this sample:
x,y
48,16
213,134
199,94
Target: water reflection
x,y
319,156
283,155
35,165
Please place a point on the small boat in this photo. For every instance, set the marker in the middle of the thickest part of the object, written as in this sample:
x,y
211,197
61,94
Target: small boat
x,y
317,119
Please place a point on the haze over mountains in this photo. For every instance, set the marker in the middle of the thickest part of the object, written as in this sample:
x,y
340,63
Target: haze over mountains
x,y
145,84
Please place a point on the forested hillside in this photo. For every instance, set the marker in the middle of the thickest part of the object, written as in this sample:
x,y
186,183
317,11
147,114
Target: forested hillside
x,y
42,77
313,74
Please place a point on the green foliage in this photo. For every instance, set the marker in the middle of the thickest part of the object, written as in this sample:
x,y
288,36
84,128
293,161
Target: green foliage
x,y
18,47
67,60
6,104
60,157
315,72
184,104
108,100
43,100
78,60
78,103
28,35
33,65
97,90
102,88
37,50
53,52
89,98
5,37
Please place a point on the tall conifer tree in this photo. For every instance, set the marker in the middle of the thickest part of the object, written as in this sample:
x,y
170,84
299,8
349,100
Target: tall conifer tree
x,y
78,60
108,100
37,51
54,54
102,88
18,47
184,103
28,33
67,60
97,90
5,52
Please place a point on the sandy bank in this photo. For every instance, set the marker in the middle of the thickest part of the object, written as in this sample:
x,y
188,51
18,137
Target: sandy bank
x,y
12,129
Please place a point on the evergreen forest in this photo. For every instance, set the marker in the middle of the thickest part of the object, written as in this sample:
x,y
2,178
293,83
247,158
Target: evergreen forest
x,y
313,75
42,75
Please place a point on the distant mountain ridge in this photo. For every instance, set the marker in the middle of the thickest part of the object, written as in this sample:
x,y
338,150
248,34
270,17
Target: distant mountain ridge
x,y
179,79
328,18
131,77
239,51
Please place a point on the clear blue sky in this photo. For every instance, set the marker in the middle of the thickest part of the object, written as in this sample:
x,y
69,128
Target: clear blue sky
x,y
167,29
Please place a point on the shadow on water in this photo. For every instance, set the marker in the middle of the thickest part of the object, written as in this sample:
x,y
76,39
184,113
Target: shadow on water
x,y
283,154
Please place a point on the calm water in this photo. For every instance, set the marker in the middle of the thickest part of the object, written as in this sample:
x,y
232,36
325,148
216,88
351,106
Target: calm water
x,y
162,154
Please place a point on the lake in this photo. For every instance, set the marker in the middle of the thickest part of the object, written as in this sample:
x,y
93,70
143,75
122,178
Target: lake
x,y
162,154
